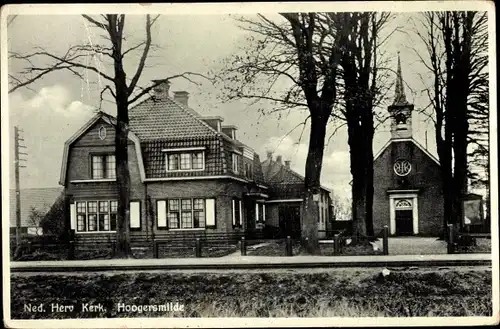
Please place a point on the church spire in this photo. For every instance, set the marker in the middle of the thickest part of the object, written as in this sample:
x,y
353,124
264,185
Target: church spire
x,y
399,95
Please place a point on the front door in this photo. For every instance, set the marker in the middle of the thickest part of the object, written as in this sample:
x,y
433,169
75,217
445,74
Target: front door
x,y
289,220
404,222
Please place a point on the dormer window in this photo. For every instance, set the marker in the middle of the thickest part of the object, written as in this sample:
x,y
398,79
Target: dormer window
x,y
190,159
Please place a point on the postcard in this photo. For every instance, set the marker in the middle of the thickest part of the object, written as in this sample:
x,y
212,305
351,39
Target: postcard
x,y
249,164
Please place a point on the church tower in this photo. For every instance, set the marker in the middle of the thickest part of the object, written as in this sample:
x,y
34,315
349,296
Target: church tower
x,y
400,110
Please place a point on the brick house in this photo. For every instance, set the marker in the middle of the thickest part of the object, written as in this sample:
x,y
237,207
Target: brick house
x,y
188,173
286,192
407,182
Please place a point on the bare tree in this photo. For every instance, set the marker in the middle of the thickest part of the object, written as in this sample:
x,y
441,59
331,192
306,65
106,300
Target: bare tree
x,y
457,59
362,91
125,92
300,61
291,50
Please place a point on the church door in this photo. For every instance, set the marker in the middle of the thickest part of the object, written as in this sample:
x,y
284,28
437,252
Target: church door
x,y
404,217
404,222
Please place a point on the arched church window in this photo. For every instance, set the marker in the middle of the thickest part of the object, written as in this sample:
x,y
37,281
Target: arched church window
x,y
403,204
402,167
102,132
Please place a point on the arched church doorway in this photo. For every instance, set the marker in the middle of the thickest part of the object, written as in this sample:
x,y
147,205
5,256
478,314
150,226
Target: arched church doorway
x,y
404,217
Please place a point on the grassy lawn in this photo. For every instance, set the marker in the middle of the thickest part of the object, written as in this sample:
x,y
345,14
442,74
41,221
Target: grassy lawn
x,y
482,246
140,253
274,248
342,292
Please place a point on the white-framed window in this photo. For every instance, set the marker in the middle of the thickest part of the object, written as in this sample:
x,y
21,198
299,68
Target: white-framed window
x,y
103,166
237,213
95,216
185,161
183,213
235,162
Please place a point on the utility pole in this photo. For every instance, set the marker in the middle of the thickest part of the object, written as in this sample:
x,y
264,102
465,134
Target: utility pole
x,y
17,165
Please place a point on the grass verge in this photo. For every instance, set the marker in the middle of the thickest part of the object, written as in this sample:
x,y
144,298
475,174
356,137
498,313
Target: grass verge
x,y
274,294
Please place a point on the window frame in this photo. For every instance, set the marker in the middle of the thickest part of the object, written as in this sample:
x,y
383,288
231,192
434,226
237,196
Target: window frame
x,y
103,160
235,162
97,214
237,215
179,211
192,155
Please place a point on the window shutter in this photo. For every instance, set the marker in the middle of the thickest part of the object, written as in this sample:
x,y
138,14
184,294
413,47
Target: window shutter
x,y
72,214
210,209
135,214
234,212
264,213
161,212
241,215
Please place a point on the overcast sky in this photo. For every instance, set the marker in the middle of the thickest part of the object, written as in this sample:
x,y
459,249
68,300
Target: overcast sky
x,y
60,103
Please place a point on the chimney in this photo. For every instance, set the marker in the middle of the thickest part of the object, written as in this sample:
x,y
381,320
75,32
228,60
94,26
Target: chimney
x,y
287,163
279,158
181,97
269,155
161,89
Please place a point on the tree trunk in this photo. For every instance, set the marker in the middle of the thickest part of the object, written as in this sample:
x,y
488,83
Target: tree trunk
x,y
122,249
310,208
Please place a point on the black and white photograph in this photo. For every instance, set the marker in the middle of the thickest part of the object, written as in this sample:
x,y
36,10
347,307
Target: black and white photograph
x,y
249,164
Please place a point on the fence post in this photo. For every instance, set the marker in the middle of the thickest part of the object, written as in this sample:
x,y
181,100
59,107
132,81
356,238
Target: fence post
x,y
385,240
451,246
288,245
71,249
336,245
243,246
155,249
198,247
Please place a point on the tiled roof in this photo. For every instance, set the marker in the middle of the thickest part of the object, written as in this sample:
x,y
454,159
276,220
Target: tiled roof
x,y
276,174
164,118
39,198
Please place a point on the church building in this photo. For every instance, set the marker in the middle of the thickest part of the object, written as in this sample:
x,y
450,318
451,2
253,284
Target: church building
x,y
408,196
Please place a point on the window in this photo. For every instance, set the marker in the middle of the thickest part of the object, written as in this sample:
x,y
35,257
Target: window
x,y
183,213
248,171
103,166
402,167
95,216
236,165
173,213
102,132
237,215
185,161
261,208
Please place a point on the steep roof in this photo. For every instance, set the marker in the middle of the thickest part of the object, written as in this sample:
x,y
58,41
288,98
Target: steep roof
x,y
164,118
39,198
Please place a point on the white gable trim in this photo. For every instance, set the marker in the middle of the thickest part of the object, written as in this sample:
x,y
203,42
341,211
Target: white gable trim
x,y
379,153
84,129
